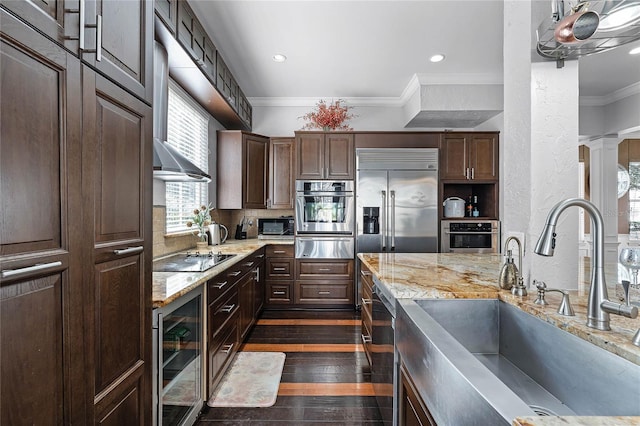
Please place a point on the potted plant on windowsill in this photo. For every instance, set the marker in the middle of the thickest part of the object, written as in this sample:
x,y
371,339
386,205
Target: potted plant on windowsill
x,y
201,219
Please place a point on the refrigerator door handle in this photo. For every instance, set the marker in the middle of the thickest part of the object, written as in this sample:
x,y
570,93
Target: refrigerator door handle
x,y
383,221
393,220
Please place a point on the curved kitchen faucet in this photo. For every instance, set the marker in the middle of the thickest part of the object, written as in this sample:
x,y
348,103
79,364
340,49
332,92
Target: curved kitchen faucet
x,y
599,306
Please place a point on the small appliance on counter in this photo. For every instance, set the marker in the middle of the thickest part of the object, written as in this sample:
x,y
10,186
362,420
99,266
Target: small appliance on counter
x,y
276,228
454,207
218,234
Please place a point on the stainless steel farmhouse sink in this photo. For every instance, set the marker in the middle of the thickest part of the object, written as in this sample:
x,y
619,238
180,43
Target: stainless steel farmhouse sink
x,y
483,360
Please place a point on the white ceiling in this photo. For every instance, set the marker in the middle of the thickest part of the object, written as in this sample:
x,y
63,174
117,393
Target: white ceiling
x,y
371,49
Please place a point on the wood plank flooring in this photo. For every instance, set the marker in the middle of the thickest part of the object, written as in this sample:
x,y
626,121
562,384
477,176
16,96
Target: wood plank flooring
x,y
326,378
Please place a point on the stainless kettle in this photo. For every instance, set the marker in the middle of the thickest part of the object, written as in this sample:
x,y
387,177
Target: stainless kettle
x,y
219,234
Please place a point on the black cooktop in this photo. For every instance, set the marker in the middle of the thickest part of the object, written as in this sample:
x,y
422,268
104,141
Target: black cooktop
x,y
190,262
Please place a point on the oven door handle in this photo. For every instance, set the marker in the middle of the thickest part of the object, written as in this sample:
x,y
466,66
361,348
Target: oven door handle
x,y
470,233
325,194
383,221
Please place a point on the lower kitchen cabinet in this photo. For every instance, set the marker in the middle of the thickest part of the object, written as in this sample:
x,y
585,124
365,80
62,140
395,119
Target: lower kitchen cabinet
x,y
279,274
412,410
366,310
324,282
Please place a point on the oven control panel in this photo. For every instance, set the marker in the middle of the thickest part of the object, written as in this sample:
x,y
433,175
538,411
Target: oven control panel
x,y
470,227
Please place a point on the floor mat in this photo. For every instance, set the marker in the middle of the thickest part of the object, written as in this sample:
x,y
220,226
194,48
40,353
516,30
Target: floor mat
x,y
251,381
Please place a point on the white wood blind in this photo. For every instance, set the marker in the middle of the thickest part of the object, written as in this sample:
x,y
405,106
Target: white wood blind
x,y
187,131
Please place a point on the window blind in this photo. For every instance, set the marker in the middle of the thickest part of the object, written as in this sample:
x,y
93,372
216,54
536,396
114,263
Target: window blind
x,y
188,132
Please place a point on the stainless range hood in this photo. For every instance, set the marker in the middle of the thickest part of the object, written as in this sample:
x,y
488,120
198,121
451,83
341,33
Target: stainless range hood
x,y
168,163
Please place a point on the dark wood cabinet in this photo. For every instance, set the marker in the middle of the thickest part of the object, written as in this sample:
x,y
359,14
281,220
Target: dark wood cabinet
x,y
412,410
244,108
325,155
366,310
242,170
120,45
76,180
282,157
195,41
226,82
41,242
167,11
324,282
469,157
117,182
279,274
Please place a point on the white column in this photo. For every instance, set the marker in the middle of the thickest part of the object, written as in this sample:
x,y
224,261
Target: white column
x,y
603,177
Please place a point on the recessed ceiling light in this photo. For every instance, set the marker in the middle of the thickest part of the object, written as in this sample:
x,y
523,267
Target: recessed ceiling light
x,y
635,51
279,57
437,58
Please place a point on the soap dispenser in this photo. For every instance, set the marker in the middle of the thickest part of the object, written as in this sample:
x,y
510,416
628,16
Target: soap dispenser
x,y
508,274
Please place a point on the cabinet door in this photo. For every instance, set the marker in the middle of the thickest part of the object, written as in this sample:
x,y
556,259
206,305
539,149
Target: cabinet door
x,y
226,83
310,156
256,155
121,47
258,290
191,35
454,160
167,11
339,156
117,177
412,410
483,155
41,301
245,300
281,170
57,19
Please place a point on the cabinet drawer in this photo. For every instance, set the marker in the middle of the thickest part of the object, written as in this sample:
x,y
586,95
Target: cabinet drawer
x,y
280,251
220,312
314,269
217,286
279,292
280,268
365,339
221,351
335,292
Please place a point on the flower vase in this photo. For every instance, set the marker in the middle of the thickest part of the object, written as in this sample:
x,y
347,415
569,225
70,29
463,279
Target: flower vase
x,y
202,245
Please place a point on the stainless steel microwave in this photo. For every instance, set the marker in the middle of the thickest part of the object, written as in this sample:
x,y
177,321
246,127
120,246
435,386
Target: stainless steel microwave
x,y
470,236
276,227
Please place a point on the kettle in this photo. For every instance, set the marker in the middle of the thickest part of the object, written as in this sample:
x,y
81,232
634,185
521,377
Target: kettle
x,y
217,230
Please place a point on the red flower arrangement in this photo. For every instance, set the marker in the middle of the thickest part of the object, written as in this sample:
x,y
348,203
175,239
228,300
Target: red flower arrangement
x,y
328,117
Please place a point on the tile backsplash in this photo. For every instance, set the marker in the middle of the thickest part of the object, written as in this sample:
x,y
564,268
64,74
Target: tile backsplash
x,y
166,244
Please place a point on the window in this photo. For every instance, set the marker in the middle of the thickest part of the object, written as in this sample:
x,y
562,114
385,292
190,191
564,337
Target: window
x,y
634,201
187,131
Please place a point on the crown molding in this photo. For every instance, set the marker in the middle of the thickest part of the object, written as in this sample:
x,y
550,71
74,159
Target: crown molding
x,y
625,92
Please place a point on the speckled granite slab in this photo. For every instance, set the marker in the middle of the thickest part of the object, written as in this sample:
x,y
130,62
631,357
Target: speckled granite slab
x,y
577,421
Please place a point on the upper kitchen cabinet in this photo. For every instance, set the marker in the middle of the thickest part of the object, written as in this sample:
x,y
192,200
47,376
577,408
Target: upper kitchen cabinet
x,y
167,11
242,170
469,156
118,42
196,65
114,37
325,155
282,157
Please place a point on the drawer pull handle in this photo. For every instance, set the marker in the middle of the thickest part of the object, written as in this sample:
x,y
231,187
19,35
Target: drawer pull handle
x,y
323,269
128,250
235,273
249,264
227,308
279,251
279,293
220,285
366,301
260,256
227,348
6,273
279,269
365,273
365,339
324,292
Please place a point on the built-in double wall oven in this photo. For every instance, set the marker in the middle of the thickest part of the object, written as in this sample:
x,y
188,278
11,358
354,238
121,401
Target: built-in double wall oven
x,y
470,236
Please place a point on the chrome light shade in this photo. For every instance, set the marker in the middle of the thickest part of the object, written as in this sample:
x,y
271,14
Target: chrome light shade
x,y
577,27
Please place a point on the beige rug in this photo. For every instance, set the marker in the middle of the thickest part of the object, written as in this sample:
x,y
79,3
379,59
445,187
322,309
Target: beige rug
x,y
252,381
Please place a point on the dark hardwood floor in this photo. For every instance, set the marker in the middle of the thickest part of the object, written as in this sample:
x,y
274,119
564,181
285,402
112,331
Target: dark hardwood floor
x,y
326,377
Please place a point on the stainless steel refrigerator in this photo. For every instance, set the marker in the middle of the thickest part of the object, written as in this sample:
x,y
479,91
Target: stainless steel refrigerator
x,y
396,200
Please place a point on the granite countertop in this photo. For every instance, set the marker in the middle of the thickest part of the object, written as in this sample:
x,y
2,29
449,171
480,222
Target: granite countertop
x,y
440,275
169,286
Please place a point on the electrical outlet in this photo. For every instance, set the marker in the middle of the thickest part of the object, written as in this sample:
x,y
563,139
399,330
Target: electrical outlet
x,y
513,245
